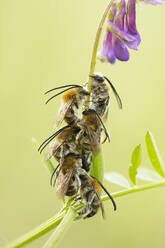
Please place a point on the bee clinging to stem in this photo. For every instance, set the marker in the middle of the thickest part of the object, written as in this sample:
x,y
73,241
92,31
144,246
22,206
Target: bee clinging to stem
x,y
89,137
90,195
64,143
68,182
72,98
75,144
100,97
49,139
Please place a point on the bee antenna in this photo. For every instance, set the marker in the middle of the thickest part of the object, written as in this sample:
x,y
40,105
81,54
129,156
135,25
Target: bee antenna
x,y
115,93
61,87
106,191
45,141
48,140
105,130
58,172
51,179
61,93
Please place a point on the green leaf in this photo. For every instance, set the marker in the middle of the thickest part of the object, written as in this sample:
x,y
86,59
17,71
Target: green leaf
x,y
135,162
148,175
117,178
136,156
97,169
154,155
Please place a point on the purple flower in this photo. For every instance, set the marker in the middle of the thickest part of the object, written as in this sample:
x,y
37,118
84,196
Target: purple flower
x,y
153,2
121,32
131,24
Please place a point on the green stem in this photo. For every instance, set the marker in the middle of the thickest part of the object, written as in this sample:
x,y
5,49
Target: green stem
x,y
135,189
61,229
97,169
38,231
56,220
96,43
91,72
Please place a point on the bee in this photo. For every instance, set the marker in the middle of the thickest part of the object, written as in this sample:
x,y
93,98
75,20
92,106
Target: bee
x,y
86,160
72,98
90,195
63,144
89,137
100,98
68,181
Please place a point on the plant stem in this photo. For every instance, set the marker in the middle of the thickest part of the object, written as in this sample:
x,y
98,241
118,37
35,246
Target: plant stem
x,y
96,43
38,231
91,72
61,229
56,220
97,169
135,189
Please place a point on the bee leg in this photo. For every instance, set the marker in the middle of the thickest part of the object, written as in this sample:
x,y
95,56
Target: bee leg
x,y
62,151
84,211
76,199
78,137
88,208
78,180
87,159
104,140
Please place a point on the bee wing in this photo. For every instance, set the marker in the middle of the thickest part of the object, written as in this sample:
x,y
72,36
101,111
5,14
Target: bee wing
x,y
105,117
51,151
53,148
62,112
94,141
63,182
100,201
101,205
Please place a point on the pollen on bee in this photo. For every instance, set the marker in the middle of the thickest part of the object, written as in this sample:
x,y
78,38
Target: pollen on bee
x,y
97,185
69,95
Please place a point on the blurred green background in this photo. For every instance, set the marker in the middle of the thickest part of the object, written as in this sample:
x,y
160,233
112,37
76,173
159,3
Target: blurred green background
x,y
45,43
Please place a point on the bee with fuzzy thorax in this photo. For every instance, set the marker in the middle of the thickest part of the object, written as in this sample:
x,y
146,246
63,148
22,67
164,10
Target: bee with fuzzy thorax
x,y
73,97
73,180
67,176
63,144
100,98
89,137
90,196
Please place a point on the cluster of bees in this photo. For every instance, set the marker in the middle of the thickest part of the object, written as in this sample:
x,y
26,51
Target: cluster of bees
x,y
75,145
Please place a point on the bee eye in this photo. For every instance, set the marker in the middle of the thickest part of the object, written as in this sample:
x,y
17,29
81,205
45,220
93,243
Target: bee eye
x,y
84,92
98,78
85,134
72,111
85,112
83,177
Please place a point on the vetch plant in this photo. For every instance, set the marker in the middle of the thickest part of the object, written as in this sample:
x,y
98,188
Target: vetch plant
x,y
77,147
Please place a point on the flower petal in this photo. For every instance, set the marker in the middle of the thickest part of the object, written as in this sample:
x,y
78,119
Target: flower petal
x,y
121,51
153,2
130,40
131,22
108,48
121,34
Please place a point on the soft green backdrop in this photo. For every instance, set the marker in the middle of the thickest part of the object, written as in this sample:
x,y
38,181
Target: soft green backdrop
x,y
45,43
